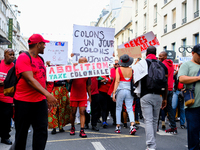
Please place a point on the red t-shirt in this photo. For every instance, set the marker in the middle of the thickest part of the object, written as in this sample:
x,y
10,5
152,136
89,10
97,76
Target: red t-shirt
x,y
4,68
94,86
78,90
105,87
112,73
25,92
180,85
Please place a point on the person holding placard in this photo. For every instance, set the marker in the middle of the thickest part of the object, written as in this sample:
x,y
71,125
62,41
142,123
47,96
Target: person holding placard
x,y
78,98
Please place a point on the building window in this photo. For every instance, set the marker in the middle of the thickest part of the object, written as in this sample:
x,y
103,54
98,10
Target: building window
x,y
174,18
196,39
165,48
184,45
136,7
165,24
136,28
155,14
196,8
145,3
184,12
165,2
173,46
145,22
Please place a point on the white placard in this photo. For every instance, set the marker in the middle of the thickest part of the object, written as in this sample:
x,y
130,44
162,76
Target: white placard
x,y
94,43
56,52
83,70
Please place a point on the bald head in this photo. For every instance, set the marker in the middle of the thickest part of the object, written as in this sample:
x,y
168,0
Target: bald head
x,y
151,50
82,60
162,56
8,50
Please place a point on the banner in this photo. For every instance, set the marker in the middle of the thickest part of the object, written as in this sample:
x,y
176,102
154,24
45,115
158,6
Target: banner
x,y
134,52
56,52
184,59
94,43
10,31
144,41
82,70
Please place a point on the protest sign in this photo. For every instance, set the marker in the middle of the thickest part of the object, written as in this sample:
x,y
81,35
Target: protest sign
x,y
134,52
144,41
184,59
94,43
56,52
82,70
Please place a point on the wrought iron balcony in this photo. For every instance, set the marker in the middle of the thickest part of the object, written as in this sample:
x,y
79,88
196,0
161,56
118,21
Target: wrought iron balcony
x,y
174,26
184,20
196,14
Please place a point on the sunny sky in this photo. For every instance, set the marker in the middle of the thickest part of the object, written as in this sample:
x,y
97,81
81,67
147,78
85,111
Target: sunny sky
x,y
56,17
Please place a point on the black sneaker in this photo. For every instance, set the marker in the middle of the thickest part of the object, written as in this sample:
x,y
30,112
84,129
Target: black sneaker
x,y
95,128
61,130
125,125
183,127
53,131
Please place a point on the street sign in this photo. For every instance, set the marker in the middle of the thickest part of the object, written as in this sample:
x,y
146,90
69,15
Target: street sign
x,y
171,54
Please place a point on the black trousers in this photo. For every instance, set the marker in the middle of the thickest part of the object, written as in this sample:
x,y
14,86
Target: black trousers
x,y
6,112
104,98
111,107
35,114
95,109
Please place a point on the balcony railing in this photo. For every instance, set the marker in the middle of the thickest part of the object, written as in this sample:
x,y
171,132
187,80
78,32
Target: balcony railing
x,y
165,1
184,20
165,29
174,26
196,14
155,20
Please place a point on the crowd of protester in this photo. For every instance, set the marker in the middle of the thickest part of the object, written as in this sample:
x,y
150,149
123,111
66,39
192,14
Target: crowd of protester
x,y
52,105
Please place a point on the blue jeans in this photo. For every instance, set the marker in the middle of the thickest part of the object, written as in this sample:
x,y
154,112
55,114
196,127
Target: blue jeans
x,y
175,102
124,95
193,127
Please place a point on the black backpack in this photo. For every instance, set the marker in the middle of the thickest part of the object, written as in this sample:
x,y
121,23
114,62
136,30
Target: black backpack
x,y
11,80
156,79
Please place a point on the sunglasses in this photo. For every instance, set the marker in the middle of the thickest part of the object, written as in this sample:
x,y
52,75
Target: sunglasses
x,y
116,64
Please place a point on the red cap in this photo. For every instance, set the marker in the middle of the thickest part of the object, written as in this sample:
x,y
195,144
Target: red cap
x,y
36,38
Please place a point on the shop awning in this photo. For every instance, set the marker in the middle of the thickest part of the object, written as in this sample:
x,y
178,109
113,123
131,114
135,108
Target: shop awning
x,y
4,40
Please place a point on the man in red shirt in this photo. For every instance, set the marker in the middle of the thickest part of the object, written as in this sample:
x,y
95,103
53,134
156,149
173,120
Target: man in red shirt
x,y
169,64
78,98
31,97
6,102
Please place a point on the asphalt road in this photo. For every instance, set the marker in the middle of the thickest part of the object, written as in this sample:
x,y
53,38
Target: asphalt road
x,y
107,139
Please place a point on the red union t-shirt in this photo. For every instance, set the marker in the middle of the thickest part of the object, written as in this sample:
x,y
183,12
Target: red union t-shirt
x,y
4,68
25,92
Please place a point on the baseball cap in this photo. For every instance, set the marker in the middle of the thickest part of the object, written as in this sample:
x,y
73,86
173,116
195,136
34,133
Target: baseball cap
x,y
196,49
36,38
